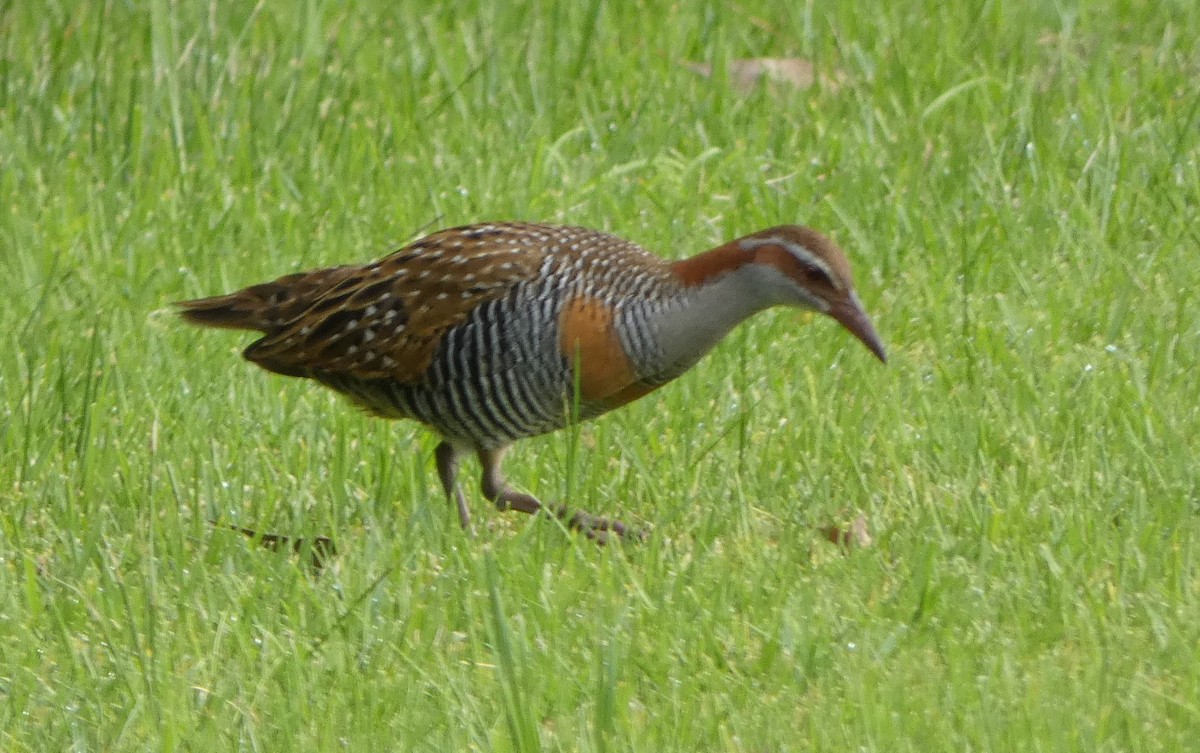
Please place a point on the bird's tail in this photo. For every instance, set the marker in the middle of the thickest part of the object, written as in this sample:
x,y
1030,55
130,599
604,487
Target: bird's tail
x,y
268,306
259,307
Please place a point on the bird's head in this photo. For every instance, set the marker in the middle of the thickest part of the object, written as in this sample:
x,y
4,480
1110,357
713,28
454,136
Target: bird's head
x,y
812,273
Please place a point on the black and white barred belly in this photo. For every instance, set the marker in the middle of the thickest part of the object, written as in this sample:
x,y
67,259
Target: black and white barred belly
x,y
496,378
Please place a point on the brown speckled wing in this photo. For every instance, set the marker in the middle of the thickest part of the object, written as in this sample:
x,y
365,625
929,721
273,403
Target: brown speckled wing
x,y
386,319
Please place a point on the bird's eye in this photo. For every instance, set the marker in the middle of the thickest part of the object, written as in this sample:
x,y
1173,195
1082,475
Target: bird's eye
x,y
817,275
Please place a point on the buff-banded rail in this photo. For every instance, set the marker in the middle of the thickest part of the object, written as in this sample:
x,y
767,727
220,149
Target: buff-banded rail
x,y
492,333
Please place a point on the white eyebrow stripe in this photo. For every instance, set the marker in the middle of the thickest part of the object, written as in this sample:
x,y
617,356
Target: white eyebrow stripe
x,y
795,249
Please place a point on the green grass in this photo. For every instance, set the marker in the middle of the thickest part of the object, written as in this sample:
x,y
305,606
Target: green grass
x,y
1017,185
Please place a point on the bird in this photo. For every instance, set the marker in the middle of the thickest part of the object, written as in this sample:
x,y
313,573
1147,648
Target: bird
x,y
495,332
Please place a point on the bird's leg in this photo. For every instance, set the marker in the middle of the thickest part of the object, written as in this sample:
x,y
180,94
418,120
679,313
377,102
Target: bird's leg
x,y
447,456
497,490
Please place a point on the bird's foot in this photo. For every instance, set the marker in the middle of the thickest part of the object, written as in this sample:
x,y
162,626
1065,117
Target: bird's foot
x,y
599,529
321,549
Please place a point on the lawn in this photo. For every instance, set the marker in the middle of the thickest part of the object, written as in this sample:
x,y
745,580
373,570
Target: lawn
x,y
1017,186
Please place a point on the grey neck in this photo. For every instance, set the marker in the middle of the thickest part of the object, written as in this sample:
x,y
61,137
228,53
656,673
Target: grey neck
x,y
703,315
